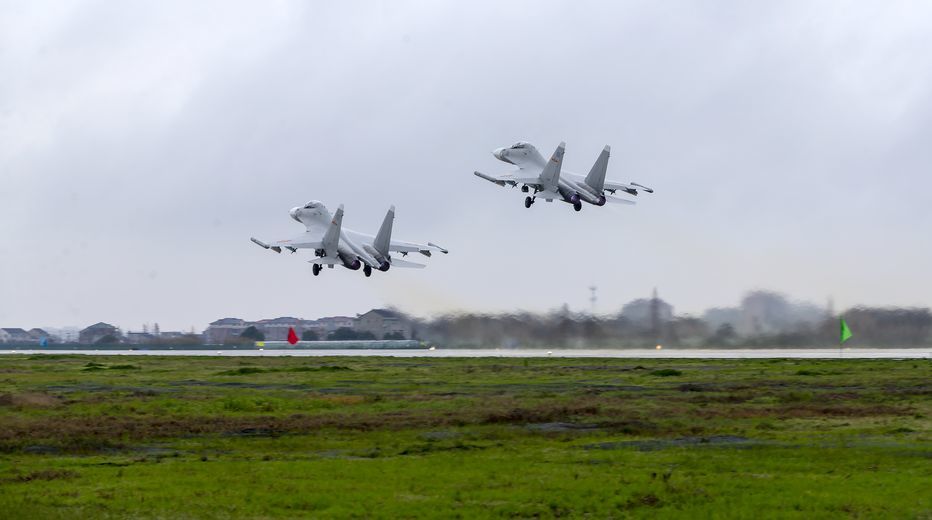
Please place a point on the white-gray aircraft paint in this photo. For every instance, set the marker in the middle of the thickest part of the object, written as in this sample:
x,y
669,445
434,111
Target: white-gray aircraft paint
x,y
334,245
549,183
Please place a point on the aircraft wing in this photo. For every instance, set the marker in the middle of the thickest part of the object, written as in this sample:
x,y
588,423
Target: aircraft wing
x,y
411,247
512,179
302,241
631,189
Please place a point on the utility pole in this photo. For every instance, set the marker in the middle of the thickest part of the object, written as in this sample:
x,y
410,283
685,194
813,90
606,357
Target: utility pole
x,y
655,316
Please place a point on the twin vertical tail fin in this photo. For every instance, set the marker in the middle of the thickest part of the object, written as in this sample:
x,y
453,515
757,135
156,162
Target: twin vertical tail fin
x,y
332,236
383,239
550,177
596,177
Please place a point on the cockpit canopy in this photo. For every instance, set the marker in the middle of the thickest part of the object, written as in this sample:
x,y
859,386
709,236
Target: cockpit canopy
x,y
312,204
520,145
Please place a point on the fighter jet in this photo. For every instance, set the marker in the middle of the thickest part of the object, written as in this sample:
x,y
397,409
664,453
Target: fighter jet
x,y
545,178
334,245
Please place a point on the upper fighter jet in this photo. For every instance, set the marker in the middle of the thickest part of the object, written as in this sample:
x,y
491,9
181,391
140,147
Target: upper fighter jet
x,y
545,177
334,245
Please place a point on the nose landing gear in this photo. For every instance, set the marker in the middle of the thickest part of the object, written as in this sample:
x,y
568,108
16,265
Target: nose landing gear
x,y
315,269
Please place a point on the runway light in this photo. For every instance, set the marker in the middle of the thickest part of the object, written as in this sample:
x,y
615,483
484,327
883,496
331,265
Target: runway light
x,y
549,353
432,348
659,347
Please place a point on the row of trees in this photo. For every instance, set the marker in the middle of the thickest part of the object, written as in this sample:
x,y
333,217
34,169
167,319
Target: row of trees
x,y
873,327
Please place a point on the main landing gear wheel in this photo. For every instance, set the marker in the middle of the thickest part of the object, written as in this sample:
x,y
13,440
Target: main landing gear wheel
x,y
577,206
367,270
528,201
316,269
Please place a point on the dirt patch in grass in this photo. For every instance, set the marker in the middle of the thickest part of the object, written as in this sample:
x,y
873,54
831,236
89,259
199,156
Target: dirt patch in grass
x,y
29,400
46,474
806,410
559,427
93,434
540,414
658,444
631,427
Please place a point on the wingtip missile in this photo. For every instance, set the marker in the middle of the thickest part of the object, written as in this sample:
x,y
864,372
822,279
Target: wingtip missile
x,y
259,243
645,188
441,249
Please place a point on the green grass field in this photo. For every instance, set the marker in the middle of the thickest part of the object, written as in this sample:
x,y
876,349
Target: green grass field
x,y
212,437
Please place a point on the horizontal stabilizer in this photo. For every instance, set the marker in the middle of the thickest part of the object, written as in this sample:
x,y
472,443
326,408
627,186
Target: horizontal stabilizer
x,y
397,262
616,200
326,260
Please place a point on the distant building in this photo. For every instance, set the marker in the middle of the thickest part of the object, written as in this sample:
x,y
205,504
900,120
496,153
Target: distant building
x,y
332,323
224,329
382,322
63,335
97,332
276,329
38,334
17,335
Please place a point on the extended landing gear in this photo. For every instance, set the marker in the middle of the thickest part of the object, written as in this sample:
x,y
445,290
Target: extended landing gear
x,y
367,270
524,188
316,269
577,206
528,201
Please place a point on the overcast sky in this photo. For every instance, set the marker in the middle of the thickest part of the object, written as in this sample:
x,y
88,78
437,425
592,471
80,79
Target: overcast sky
x,y
143,143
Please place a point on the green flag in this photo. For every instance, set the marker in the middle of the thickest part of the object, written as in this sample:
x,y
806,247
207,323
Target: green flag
x,y
845,332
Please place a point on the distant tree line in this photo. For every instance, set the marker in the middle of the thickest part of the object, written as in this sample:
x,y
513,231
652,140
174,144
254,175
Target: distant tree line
x,y
873,327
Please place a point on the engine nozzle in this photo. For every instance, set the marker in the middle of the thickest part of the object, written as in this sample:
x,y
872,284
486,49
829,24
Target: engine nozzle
x,y
353,264
574,198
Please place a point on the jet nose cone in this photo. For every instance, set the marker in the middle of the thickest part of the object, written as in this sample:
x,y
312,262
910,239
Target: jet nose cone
x,y
499,153
294,213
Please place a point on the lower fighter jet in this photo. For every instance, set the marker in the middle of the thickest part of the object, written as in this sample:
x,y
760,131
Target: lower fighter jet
x,y
545,178
334,245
